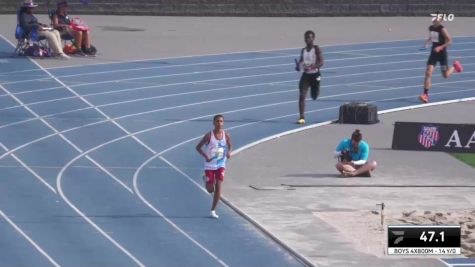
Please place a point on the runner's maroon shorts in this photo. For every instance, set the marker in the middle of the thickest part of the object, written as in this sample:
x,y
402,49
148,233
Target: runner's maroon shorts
x,y
215,174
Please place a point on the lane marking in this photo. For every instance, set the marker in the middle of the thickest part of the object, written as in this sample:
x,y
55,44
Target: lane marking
x,y
23,164
33,243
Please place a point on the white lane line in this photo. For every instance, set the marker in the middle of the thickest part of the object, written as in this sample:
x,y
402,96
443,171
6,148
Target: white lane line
x,y
290,64
181,172
282,92
241,52
161,96
208,90
445,263
255,51
33,243
29,80
279,82
237,77
331,68
240,60
155,76
63,196
82,99
145,201
192,82
58,182
169,95
36,175
353,54
218,79
216,89
63,137
94,107
7,166
232,111
229,61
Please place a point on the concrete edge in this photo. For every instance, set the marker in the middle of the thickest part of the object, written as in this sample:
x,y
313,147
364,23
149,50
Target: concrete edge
x,y
259,226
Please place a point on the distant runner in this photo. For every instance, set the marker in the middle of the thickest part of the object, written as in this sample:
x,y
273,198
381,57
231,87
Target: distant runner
x,y
440,38
311,60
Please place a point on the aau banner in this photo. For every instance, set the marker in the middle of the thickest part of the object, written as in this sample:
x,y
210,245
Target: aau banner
x,y
434,137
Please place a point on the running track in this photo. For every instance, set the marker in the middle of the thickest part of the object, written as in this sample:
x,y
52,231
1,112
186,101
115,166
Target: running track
x,y
98,166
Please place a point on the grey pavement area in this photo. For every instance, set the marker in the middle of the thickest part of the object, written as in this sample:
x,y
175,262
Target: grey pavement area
x,y
306,158
123,38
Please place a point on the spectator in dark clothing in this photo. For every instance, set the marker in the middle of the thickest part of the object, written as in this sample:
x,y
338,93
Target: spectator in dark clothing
x,y
29,23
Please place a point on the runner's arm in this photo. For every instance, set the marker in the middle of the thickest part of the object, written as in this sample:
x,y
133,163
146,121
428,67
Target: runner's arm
x,y
319,53
205,140
230,145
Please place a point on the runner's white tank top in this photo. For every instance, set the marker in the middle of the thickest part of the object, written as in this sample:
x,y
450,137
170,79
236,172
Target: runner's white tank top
x,y
216,150
309,58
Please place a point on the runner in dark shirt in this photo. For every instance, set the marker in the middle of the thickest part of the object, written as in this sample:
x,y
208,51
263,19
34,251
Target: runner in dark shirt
x,y
440,39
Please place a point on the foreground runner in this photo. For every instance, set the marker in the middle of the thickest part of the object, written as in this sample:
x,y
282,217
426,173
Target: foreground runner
x,y
440,38
218,149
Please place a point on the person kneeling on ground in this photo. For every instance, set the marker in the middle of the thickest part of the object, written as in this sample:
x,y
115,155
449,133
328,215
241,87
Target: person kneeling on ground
x,y
353,155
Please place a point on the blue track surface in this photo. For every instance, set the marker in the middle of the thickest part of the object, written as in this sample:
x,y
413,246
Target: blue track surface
x,y
88,194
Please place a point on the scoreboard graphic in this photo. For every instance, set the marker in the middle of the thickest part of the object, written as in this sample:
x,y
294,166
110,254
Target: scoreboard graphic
x,y
424,240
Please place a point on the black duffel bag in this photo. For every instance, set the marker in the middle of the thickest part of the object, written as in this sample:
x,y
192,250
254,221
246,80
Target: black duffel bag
x,y
358,113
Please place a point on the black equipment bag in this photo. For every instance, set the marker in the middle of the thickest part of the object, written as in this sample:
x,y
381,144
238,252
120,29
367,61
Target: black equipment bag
x,y
358,113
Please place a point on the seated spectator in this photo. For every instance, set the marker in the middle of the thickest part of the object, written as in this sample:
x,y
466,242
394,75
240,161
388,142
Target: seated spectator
x,y
62,22
353,157
29,23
